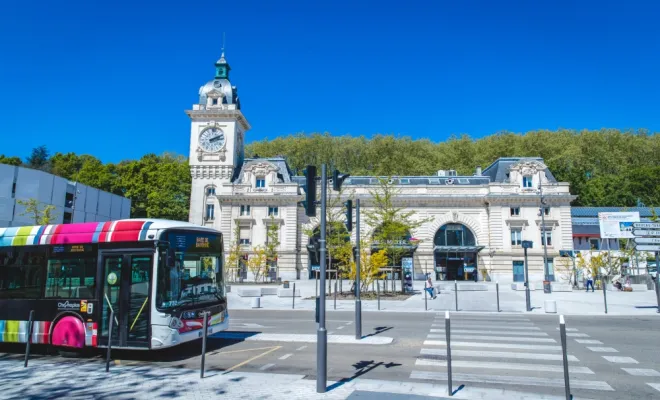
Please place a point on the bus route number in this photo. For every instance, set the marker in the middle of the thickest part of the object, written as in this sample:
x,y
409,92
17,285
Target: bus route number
x,y
202,242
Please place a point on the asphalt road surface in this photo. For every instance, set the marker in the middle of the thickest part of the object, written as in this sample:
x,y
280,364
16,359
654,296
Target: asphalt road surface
x,y
610,357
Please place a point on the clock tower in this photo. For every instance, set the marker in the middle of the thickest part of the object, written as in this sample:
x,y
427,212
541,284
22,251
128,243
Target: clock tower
x,y
217,131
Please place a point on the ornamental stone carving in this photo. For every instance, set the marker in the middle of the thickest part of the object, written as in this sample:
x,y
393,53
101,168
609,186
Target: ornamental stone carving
x,y
528,167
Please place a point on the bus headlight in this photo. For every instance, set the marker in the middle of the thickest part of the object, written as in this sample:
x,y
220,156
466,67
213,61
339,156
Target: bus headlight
x,y
176,323
188,315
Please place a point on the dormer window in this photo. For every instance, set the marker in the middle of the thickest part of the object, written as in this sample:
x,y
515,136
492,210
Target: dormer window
x,y
527,181
260,182
214,102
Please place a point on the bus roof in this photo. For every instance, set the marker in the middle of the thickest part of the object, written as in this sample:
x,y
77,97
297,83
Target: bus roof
x,y
125,230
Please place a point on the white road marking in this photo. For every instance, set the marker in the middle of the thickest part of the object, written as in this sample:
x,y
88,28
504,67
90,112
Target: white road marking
x,y
588,341
620,360
490,319
501,327
284,357
641,371
341,327
349,322
512,380
330,333
265,367
497,354
497,338
572,334
603,349
502,365
493,345
569,329
484,332
655,386
301,348
311,338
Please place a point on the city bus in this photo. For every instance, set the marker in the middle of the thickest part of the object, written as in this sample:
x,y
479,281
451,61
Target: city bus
x,y
157,278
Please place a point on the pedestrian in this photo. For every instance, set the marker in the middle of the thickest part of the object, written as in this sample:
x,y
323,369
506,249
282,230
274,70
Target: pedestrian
x,y
429,286
590,279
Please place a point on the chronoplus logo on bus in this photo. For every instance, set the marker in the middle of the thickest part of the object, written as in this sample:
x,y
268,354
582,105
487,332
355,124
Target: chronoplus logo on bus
x,y
68,305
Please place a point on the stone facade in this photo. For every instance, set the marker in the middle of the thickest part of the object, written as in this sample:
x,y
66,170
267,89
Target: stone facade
x,y
493,210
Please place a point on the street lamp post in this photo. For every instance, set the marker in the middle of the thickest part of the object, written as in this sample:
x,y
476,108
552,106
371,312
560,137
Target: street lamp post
x,y
322,333
545,239
527,244
358,302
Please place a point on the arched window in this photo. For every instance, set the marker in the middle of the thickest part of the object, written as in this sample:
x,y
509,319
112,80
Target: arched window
x,y
454,235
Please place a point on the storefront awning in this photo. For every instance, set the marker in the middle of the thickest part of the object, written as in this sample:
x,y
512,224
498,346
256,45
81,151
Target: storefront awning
x,y
458,249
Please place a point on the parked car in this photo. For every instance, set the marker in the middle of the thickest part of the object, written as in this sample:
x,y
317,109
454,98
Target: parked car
x,y
653,269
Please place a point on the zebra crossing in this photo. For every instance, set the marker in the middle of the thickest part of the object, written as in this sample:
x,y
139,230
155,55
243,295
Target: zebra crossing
x,y
502,351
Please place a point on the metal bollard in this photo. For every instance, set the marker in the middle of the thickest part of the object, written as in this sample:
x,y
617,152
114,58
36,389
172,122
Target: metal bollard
x,y
293,302
204,335
107,355
602,281
29,338
378,293
497,289
448,336
456,294
562,331
426,305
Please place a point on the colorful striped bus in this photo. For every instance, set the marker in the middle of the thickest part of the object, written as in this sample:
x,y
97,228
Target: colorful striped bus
x,y
158,277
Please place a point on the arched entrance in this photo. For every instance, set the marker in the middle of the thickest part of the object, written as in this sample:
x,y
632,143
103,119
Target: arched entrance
x,y
455,253
336,234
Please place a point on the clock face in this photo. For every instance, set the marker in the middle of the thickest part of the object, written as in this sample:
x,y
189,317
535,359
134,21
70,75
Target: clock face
x,y
217,84
212,139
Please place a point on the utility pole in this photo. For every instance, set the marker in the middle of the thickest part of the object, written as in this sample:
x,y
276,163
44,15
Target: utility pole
x,y
545,239
322,333
358,302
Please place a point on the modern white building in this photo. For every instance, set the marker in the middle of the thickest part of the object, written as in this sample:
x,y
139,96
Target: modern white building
x,y
73,201
473,221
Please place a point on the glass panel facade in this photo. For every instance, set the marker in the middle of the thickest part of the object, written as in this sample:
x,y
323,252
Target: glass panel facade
x,y
454,235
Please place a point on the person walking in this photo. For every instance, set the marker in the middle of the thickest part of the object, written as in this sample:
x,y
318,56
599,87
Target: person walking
x,y
590,279
429,286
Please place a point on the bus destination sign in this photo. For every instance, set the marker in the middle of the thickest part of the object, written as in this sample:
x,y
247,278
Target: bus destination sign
x,y
74,248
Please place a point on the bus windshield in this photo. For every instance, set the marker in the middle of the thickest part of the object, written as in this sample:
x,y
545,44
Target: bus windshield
x,y
194,275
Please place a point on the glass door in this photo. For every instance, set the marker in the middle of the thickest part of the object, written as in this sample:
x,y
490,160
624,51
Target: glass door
x,y
126,282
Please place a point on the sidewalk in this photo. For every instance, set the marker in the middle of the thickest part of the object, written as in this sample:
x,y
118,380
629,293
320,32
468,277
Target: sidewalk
x,y
577,302
88,380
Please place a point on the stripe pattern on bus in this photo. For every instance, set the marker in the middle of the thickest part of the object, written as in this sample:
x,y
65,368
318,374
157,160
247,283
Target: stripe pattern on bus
x,y
17,331
89,232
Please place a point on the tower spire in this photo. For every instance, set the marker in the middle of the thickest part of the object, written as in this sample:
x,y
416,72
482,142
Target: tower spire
x,y
222,66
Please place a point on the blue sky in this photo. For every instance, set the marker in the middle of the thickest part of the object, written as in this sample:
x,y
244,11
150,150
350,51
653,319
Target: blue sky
x,y
113,78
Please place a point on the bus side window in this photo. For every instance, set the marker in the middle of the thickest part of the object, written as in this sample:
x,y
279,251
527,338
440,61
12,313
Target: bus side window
x,y
20,274
71,278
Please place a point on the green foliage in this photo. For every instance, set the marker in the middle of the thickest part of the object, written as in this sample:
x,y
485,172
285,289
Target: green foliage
x,y
607,167
38,159
16,161
273,240
40,216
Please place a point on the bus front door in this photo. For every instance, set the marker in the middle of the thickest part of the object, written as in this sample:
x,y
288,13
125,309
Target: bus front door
x,y
126,280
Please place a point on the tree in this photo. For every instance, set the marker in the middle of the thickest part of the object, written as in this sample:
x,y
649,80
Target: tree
x,y
370,266
16,161
392,225
257,262
234,255
40,216
38,159
272,241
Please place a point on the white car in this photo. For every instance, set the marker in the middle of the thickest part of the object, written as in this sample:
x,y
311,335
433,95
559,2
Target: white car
x,y
653,269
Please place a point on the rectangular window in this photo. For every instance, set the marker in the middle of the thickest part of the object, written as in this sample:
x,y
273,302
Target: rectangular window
x,y
546,211
68,200
547,235
244,237
516,237
527,181
67,218
551,269
273,211
210,211
515,211
594,244
71,277
245,211
519,271
214,102
261,182
21,274
210,191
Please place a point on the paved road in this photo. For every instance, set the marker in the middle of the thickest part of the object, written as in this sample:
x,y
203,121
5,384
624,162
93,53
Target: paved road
x,y
611,357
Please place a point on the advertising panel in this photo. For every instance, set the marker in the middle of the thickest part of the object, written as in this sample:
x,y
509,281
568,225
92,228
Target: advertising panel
x,y
617,225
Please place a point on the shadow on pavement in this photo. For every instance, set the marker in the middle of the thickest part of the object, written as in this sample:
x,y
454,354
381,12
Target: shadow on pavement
x,y
362,368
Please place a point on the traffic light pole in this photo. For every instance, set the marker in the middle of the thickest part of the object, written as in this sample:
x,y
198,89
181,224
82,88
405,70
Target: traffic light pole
x,y
528,301
322,334
358,302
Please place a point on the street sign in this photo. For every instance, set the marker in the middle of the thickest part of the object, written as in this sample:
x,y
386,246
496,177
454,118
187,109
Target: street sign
x,y
316,267
646,225
645,240
645,232
647,247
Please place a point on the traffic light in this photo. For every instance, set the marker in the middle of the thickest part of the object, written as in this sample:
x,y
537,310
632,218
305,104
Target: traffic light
x,y
337,180
310,191
349,215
